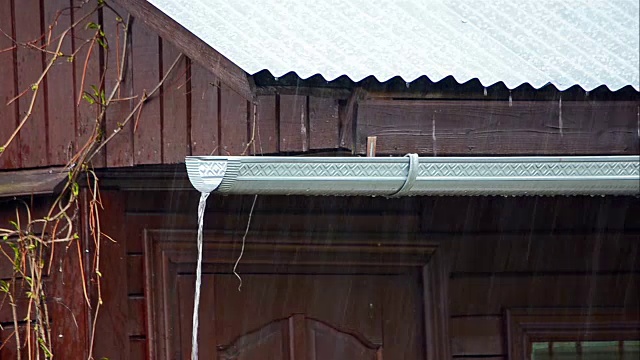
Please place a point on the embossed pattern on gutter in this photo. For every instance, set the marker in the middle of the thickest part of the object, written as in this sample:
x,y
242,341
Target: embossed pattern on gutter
x,y
517,176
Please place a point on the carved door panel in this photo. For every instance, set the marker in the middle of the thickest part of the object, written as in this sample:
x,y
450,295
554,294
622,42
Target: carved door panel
x,y
303,316
353,297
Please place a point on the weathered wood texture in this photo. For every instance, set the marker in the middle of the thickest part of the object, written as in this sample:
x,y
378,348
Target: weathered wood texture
x,y
31,182
11,158
184,118
507,252
534,270
460,127
190,45
207,107
501,252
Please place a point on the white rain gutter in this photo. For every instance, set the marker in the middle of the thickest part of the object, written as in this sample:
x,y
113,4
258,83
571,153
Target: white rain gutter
x,y
413,175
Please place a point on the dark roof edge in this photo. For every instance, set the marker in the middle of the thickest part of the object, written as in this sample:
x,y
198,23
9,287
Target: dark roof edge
x,y
448,87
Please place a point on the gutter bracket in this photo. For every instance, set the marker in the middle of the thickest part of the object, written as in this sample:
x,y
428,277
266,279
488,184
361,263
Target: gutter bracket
x,y
412,174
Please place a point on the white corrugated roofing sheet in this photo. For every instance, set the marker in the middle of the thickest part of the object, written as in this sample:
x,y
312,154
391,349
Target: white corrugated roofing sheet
x,y
564,42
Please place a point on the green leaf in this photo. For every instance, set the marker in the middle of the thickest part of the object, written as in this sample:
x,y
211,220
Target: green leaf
x,y
45,349
4,286
96,91
1,149
102,42
15,224
75,189
92,26
88,98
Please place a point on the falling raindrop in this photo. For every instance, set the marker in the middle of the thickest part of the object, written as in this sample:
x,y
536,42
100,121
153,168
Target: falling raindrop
x,y
510,99
485,91
407,84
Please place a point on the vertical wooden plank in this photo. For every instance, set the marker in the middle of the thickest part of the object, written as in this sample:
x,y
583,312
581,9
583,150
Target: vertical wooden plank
x,y
435,282
298,337
33,144
58,15
119,151
147,138
347,114
204,111
136,324
233,122
293,123
10,159
112,340
323,121
87,75
266,132
175,142
135,275
69,315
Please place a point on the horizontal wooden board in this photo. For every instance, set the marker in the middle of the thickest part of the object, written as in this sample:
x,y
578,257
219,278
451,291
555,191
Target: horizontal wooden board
x,y
540,252
441,128
477,336
31,182
488,294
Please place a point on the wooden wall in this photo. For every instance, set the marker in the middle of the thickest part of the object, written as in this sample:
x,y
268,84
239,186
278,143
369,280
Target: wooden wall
x,y
502,252
197,114
577,252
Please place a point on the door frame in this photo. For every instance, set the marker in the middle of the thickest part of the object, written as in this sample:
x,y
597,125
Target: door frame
x,y
168,251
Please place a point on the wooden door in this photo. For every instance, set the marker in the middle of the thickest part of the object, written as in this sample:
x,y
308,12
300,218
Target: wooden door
x,y
297,301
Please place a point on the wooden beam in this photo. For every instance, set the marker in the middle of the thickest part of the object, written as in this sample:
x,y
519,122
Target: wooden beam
x,y
192,46
475,128
31,182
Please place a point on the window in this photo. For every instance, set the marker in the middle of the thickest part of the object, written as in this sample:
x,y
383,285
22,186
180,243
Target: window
x,y
572,334
586,350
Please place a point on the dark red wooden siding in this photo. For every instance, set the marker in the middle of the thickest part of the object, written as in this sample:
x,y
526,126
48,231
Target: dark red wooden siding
x,y
196,114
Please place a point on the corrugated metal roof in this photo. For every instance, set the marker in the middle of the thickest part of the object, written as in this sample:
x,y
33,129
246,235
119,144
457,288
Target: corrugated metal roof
x,y
564,42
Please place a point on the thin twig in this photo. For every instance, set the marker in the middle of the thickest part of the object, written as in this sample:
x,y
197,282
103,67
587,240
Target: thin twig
x,y
36,85
244,238
136,108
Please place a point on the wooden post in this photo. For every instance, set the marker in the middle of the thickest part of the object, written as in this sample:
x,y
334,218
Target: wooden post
x,y
371,146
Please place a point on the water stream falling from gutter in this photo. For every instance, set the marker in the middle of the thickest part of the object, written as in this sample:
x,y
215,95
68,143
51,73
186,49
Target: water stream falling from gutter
x,y
196,302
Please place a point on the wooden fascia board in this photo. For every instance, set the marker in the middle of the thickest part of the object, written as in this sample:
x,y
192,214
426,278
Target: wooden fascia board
x,y
31,182
197,50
